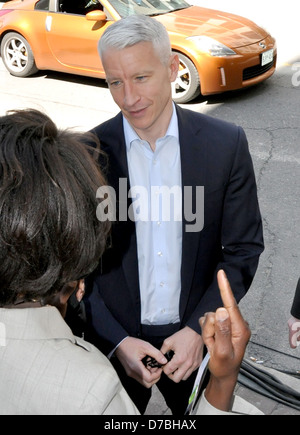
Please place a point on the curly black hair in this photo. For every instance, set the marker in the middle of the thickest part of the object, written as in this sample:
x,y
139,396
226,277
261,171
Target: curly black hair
x,y
49,231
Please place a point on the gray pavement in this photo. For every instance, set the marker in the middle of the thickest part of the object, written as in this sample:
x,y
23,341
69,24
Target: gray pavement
x,y
270,115
158,406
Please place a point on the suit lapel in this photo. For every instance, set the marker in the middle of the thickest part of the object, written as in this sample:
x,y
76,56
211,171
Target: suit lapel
x,y
113,142
193,168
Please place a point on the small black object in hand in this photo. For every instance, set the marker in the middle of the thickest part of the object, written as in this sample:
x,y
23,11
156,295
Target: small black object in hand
x,y
148,361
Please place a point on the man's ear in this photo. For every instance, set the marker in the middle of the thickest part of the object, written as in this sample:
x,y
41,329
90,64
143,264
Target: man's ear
x,y
81,290
174,67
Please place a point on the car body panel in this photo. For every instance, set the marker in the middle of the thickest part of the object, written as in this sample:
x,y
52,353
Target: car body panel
x,y
229,29
61,40
68,42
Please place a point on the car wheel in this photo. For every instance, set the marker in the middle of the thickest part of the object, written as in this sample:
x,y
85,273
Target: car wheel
x,y
17,55
187,84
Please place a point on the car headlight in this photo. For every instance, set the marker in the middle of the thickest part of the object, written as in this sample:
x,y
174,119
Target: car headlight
x,y
211,46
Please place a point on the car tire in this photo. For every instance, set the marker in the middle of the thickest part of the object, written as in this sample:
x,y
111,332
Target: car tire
x,y
187,85
17,55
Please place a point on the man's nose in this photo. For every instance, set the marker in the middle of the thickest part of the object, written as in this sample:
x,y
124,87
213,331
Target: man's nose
x,y
131,96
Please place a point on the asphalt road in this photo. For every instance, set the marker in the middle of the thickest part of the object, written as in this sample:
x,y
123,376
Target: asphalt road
x,y
270,115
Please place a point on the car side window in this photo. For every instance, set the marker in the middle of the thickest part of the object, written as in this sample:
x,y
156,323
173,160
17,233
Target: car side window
x,y
79,7
42,5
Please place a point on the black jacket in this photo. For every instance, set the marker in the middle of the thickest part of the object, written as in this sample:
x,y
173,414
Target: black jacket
x,y
214,154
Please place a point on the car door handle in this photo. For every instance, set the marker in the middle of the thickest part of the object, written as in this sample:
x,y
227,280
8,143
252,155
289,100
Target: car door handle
x,y
48,24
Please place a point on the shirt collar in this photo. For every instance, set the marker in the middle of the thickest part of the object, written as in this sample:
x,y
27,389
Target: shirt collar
x,y
44,323
131,135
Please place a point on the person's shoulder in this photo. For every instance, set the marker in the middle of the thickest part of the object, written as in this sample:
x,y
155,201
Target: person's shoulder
x,y
102,391
88,354
217,134
110,133
97,383
207,122
108,126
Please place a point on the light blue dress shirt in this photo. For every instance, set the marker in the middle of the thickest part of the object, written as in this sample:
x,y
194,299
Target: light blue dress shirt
x,y
156,191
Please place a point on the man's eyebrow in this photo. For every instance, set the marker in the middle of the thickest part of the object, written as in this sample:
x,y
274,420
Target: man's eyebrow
x,y
111,79
137,74
143,73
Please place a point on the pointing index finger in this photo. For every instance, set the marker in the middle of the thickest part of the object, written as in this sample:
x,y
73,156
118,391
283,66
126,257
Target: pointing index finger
x,y
227,295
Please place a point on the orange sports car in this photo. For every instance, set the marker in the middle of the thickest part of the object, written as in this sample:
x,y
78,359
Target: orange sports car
x,y
218,51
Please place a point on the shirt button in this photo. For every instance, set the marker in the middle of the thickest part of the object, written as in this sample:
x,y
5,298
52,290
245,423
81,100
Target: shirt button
x,y
160,254
162,284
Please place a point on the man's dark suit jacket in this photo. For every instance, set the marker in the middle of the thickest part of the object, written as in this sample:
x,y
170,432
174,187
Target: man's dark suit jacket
x,y
214,154
296,304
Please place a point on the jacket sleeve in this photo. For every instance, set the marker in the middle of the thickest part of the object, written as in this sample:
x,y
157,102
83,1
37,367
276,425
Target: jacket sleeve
x,y
239,407
104,331
106,395
121,404
296,304
241,233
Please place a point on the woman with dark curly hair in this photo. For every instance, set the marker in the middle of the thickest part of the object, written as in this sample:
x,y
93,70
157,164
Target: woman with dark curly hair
x,y
50,239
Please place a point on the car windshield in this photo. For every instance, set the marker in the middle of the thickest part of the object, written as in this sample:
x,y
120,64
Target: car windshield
x,y
147,7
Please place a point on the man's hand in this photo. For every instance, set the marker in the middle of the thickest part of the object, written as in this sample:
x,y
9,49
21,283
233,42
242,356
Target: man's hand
x,y
294,332
226,335
188,348
131,352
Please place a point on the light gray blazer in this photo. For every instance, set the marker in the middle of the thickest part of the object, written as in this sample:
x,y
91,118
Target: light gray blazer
x,y
46,370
